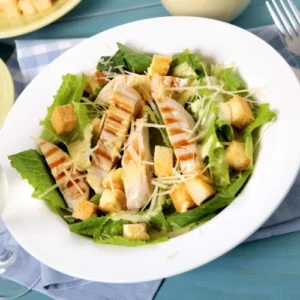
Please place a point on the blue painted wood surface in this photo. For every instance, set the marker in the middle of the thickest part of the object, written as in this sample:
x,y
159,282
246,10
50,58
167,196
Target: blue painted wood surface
x,y
266,269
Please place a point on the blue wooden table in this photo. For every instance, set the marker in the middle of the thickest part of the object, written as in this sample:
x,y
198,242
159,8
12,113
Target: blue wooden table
x,y
266,269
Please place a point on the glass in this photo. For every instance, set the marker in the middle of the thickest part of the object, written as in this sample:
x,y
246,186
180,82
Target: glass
x,y
8,255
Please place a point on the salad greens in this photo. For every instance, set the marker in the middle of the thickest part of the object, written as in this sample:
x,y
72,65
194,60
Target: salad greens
x,y
131,175
30,164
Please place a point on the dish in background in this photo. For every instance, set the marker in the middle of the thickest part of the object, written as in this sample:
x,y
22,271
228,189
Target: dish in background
x,y
214,9
264,192
6,91
14,26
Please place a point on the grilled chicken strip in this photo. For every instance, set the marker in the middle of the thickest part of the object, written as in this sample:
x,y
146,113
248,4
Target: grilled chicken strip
x,y
137,172
125,104
73,189
167,82
141,83
179,125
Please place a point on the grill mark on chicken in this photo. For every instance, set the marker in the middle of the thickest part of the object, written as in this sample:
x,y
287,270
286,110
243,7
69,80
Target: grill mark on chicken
x,y
103,153
175,131
171,120
182,143
57,163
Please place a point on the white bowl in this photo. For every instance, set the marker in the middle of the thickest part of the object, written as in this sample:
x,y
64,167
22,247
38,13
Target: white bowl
x,y
46,236
221,10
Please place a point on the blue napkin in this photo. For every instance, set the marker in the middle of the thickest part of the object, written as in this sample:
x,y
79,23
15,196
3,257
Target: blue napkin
x,y
28,60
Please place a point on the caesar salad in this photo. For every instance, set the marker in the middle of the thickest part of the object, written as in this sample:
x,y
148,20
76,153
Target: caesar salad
x,y
146,148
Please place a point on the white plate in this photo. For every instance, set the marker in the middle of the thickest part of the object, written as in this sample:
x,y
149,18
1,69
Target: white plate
x,y
46,236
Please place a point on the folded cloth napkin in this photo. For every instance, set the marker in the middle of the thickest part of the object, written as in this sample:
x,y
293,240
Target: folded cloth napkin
x,y
28,60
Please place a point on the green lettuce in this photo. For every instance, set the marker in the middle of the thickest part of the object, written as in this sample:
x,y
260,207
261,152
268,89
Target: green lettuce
x,y
186,64
215,151
31,166
225,129
156,119
95,199
160,223
131,61
222,199
122,241
89,226
70,92
263,114
109,229
232,80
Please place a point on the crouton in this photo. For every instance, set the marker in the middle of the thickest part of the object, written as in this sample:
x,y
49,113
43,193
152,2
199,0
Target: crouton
x,y
160,64
236,157
112,201
241,113
136,232
114,180
95,81
180,198
199,190
10,8
163,161
41,5
84,210
26,7
63,119
95,182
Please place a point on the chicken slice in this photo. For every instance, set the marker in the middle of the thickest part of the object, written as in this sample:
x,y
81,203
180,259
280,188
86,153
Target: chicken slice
x,y
179,126
74,189
158,81
141,83
137,166
125,104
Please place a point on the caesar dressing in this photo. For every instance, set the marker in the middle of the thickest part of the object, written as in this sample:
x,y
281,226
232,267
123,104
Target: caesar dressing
x,y
214,9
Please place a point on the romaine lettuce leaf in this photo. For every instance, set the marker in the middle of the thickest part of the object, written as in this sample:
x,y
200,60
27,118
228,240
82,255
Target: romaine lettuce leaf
x,y
215,151
232,80
157,120
186,64
131,61
88,227
109,229
223,198
122,241
262,114
160,223
70,92
225,129
95,199
80,151
31,166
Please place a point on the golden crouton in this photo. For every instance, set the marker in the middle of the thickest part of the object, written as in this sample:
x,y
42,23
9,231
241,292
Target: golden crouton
x,y
236,157
10,8
95,182
84,210
114,180
63,119
41,5
112,201
136,232
163,161
94,81
180,197
199,190
241,113
26,7
160,64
